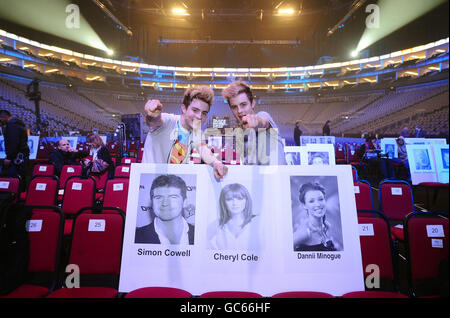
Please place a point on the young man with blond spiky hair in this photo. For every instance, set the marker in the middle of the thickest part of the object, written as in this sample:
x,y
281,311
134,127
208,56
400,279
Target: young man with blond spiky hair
x,y
171,137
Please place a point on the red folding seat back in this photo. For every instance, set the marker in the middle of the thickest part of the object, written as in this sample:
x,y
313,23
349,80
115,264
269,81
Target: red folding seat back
x,y
79,192
122,171
97,243
376,246
116,193
140,154
96,249
230,294
100,179
44,231
43,170
363,195
68,171
128,161
10,185
158,292
302,294
396,199
45,241
42,190
427,241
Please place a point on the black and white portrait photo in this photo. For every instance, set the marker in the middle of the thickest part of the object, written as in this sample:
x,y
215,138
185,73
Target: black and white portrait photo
x,y
316,217
444,156
318,158
389,149
166,211
293,158
236,225
422,159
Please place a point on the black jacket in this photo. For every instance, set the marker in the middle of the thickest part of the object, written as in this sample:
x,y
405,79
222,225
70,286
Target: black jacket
x,y
147,234
60,158
16,138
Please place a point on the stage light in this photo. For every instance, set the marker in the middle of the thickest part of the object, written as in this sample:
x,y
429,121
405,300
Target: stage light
x,y
354,53
286,11
389,16
60,18
180,11
109,52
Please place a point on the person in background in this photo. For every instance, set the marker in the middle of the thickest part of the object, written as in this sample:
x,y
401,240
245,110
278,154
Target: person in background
x,y
420,133
16,146
402,157
326,128
297,132
405,132
65,155
101,158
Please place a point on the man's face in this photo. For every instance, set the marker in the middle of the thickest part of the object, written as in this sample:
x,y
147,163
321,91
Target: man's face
x,y
197,111
167,203
63,145
241,106
3,120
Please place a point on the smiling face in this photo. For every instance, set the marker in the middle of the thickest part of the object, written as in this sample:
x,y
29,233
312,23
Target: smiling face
x,y
197,111
315,203
167,203
241,106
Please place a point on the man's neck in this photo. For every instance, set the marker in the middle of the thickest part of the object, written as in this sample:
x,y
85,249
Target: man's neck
x,y
172,229
183,124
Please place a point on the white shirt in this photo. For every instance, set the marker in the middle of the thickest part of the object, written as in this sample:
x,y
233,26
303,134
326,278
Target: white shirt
x,y
93,153
225,240
163,238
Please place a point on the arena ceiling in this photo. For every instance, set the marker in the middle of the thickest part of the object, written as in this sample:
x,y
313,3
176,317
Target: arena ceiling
x,y
240,33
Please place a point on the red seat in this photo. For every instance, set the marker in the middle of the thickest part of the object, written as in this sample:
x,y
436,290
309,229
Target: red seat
x,y
373,294
426,238
79,192
377,249
302,294
122,171
116,193
396,202
396,199
42,190
100,179
363,195
128,161
230,294
158,292
43,169
45,237
68,171
96,249
10,185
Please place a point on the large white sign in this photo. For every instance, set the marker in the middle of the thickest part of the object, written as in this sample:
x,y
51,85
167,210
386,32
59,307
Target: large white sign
x,y
265,229
421,163
442,162
304,140
389,146
319,154
33,144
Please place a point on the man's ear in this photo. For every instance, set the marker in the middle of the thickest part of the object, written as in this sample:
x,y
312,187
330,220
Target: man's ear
x,y
184,108
253,104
